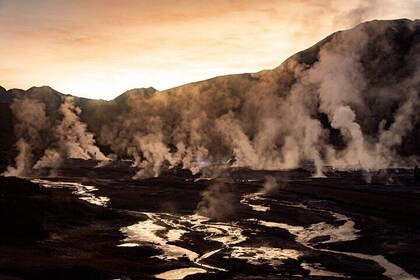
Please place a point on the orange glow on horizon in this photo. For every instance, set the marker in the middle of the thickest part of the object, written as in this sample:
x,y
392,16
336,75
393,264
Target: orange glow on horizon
x,y
101,48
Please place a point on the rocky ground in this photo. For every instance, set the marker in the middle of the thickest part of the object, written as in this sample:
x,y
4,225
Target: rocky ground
x,y
350,224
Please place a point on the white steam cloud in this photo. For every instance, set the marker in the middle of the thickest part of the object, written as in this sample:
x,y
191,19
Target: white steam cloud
x,y
30,122
283,118
218,202
270,185
350,102
69,138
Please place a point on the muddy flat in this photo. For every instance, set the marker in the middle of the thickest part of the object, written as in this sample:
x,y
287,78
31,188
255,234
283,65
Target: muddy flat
x,y
91,222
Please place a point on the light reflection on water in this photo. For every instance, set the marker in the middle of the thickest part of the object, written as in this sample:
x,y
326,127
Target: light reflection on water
x,y
248,198
84,192
342,233
161,228
317,270
179,273
263,255
149,231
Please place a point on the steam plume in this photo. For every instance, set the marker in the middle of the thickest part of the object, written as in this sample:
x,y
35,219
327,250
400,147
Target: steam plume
x,y
30,121
72,140
218,202
350,102
270,185
69,138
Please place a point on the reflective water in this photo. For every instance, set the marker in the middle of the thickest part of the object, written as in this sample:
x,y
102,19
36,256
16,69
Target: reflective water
x,y
84,192
248,198
161,230
317,270
344,232
179,273
263,255
150,231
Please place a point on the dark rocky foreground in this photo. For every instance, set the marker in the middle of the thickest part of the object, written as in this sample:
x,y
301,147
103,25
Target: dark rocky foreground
x,y
49,233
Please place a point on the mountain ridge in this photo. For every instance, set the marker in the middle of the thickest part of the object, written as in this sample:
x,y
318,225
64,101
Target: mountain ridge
x,y
354,82
307,56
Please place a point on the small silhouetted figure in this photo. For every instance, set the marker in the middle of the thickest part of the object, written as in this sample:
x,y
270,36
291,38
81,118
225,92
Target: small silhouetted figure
x,y
417,176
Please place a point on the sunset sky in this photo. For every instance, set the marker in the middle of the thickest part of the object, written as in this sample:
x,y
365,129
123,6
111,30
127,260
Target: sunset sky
x,y
101,48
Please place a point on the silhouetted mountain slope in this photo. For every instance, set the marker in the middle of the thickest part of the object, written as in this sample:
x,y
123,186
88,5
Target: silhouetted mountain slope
x,y
6,139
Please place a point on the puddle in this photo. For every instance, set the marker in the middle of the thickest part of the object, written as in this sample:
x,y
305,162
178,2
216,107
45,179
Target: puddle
x,y
345,232
128,245
264,255
179,273
84,192
151,232
391,270
226,234
316,270
161,228
249,198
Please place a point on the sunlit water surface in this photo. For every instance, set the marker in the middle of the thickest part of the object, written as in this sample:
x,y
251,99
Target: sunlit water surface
x,y
84,192
161,230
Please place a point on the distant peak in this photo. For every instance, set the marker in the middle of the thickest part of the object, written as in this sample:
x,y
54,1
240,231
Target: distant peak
x,y
43,88
145,92
140,90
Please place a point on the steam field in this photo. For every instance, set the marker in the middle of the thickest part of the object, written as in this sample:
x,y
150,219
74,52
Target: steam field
x,y
300,171
95,222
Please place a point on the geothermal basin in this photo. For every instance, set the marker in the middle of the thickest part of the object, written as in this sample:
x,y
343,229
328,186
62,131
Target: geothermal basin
x,y
244,224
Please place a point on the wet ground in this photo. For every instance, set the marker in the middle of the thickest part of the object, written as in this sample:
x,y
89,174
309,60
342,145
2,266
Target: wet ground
x,y
94,222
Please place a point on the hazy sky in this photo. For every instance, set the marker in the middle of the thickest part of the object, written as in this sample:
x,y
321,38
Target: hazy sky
x,y
100,48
